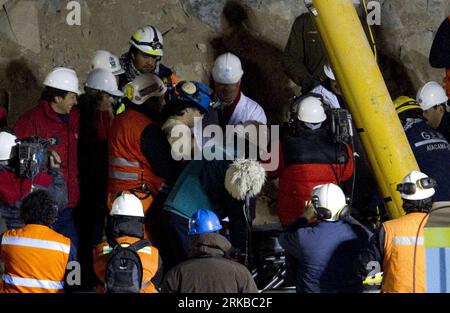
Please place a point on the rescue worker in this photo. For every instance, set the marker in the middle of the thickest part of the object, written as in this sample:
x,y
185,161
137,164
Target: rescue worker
x,y
398,245
440,51
433,101
126,227
304,56
208,270
325,241
144,56
56,116
430,148
232,106
96,114
35,256
309,157
140,158
14,188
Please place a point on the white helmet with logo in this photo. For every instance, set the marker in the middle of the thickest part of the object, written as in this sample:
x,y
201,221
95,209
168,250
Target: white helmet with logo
x,y
416,186
103,80
143,87
430,95
64,79
127,204
310,110
328,201
227,69
107,60
149,40
7,143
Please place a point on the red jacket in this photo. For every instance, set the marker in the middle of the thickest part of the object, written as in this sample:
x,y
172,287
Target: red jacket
x,y
13,188
43,121
298,178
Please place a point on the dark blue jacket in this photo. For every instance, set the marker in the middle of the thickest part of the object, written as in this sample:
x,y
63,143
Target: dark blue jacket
x,y
326,254
432,152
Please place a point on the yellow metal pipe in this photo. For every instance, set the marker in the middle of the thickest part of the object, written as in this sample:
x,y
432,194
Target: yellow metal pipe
x,y
366,94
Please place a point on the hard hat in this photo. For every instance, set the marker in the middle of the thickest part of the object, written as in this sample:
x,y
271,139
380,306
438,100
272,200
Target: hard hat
x,y
430,95
127,204
7,143
328,201
143,87
107,60
196,93
310,110
328,71
227,69
149,40
403,103
204,221
62,78
416,186
103,80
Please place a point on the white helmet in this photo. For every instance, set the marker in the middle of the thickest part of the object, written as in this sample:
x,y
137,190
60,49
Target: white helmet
x,y
328,201
310,110
328,71
430,95
107,60
7,143
127,204
144,87
416,186
227,69
103,80
149,40
62,78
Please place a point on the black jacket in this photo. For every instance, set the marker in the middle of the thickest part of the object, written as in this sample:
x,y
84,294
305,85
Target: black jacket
x,y
209,271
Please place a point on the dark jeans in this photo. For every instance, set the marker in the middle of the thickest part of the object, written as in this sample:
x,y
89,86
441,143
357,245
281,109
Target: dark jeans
x,y
65,225
176,248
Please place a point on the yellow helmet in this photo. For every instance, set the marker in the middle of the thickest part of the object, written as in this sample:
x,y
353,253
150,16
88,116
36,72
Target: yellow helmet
x,y
404,103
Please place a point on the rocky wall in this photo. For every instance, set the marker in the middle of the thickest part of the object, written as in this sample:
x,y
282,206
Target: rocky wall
x,y
35,37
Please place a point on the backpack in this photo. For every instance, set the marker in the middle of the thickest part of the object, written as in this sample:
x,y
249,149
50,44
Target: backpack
x,y
124,269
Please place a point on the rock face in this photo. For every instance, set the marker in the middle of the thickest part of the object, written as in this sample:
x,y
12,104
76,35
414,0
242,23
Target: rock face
x,y
35,37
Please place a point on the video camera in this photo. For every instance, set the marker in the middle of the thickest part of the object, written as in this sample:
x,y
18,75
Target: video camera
x,y
341,125
33,155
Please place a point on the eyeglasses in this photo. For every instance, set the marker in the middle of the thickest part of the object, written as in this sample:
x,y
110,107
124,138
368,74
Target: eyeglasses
x,y
410,188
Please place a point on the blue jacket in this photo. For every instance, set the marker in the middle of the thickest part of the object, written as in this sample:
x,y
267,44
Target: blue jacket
x,y
326,254
432,152
188,195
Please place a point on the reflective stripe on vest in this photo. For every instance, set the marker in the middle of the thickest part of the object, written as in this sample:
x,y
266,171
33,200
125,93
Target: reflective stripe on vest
x,y
123,162
33,283
123,175
36,243
146,250
407,241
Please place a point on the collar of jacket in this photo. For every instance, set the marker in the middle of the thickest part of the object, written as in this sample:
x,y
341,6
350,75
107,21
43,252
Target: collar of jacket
x,y
51,114
154,115
209,245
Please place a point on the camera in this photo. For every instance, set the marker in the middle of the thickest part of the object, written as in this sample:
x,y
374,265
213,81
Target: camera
x,y
341,125
33,155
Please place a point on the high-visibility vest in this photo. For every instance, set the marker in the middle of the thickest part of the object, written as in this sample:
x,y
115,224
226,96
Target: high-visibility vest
x,y
149,257
35,260
404,245
128,167
447,81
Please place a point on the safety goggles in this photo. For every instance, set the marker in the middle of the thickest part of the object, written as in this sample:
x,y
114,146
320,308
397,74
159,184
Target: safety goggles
x,y
410,188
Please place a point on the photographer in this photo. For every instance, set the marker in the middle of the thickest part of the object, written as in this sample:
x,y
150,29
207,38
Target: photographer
x,y
13,187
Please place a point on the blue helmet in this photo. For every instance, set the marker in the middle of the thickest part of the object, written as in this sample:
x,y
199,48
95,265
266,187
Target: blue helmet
x,y
195,92
204,221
